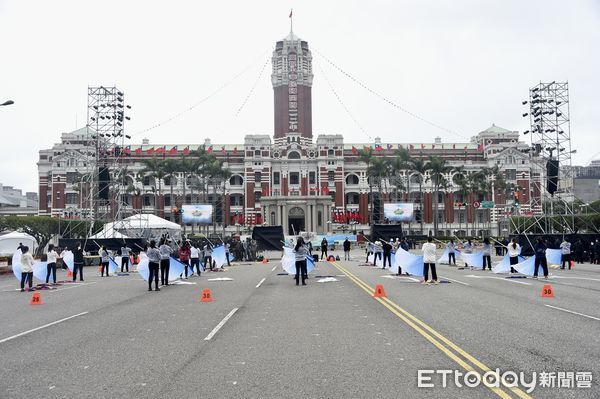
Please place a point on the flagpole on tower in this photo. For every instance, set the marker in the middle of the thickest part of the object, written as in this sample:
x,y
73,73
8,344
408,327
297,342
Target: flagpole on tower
x,y
291,20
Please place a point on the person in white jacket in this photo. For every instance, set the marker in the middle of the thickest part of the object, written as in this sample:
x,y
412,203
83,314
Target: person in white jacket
x,y
26,268
429,258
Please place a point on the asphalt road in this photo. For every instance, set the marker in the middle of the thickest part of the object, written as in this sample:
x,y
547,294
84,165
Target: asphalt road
x,y
113,338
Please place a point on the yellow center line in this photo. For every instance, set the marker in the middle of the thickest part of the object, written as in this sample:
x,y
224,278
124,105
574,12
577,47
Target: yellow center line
x,y
430,333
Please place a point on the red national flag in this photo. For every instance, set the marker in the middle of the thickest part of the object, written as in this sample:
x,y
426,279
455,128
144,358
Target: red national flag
x,y
173,151
127,150
465,148
480,147
317,189
223,150
412,147
325,190
160,150
354,150
138,151
150,151
378,148
234,150
186,151
291,11
209,150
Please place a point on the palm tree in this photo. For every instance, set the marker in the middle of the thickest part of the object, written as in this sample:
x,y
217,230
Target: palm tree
x,y
398,164
460,179
420,167
154,168
171,167
437,171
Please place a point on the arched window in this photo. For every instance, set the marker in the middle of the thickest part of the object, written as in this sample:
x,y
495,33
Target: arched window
x,y
236,180
352,179
293,155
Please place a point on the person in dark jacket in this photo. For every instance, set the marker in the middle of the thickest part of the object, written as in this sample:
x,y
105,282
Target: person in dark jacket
x,y
346,249
387,253
324,246
78,262
540,257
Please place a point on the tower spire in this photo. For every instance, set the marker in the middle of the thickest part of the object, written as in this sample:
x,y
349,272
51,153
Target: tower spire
x,y
291,20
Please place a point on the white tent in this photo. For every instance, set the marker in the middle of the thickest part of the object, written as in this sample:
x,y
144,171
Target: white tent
x,y
141,226
9,242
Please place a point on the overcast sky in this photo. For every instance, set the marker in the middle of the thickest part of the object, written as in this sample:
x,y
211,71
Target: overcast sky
x,y
462,64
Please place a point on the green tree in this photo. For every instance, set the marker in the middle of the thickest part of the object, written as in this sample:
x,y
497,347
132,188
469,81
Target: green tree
x,y
437,174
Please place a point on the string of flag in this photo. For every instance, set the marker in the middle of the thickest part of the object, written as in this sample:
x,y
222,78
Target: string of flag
x,y
335,93
253,87
382,97
209,96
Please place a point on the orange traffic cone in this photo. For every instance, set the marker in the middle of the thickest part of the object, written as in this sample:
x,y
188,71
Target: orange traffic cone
x,y
547,291
69,273
379,291
100,269
206,295
36,299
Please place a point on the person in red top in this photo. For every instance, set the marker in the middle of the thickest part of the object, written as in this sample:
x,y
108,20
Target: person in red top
x,y
184,256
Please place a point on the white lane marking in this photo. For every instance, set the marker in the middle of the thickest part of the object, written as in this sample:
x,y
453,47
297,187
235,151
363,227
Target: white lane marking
x,y
73,286
455,281
570,311
577,278
499,278
273,269
221,324
39,328
260,282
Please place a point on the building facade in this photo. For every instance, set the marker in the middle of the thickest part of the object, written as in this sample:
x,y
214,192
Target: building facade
x,y
14,203
293,180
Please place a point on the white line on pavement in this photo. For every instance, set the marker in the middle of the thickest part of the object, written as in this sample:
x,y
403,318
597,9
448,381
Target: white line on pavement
x,y
577,278
499,278
570,311
221,324
455,281
260,282
72,286
44,326
273,269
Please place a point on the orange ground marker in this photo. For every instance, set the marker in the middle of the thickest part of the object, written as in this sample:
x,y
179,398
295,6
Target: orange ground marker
x,y
379,291
547,291
69,273
36,299
206,295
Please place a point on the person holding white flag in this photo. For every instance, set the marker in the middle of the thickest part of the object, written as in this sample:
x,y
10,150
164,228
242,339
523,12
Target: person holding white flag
x,y
429,259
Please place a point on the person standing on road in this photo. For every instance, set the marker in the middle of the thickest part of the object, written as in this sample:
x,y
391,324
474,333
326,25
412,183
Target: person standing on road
x,y
565,250
164,251
310,248
346,249
153,262
208,260
429,259
487,253
104,260
227,254
451,252
78,262
300,253
468,249
184,257
125,253
369,251
51,267
26,268
387,253
404,245
194,258
514,250
377,252
324,246
540,257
